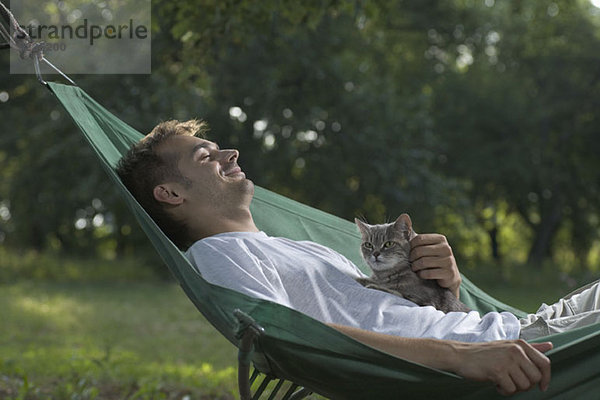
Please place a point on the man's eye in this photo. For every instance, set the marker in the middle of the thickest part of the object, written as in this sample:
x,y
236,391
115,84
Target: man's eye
x,y
387,245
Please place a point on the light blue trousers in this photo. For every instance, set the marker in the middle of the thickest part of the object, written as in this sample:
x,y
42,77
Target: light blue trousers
x,y
577,309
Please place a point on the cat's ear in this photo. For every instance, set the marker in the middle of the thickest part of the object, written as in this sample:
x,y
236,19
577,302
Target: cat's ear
x,y
404,225
362,227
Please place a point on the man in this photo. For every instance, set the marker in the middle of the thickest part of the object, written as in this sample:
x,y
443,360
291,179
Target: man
x,y
200,197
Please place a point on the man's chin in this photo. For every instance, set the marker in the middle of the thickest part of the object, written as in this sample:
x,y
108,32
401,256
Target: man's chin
x,y
248,185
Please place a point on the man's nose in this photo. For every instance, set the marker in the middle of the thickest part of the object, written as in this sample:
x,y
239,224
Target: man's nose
x,y
228,155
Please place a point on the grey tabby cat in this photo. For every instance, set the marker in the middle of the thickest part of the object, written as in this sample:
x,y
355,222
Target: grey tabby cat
x,y
386,249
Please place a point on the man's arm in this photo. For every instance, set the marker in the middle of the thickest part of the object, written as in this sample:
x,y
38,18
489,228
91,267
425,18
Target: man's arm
x,y
513,365
432,258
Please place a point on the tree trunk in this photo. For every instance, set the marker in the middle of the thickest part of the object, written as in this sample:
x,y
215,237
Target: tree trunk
x,y
36,237
494,243
541,247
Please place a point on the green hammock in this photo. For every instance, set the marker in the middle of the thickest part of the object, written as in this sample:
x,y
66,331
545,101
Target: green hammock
x,y
286,345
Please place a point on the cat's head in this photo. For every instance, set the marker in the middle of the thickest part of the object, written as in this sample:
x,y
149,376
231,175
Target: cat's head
x,y
386,245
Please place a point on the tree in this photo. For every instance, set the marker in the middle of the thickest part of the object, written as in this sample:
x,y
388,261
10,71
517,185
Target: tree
x,y
519,122
392,106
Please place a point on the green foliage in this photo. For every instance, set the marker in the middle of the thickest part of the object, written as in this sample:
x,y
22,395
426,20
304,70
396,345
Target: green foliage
x,y
478,118
516,121
394,106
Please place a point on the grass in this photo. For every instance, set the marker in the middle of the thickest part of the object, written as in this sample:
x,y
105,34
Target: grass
x,y
50,267
93,329
109,341
527,287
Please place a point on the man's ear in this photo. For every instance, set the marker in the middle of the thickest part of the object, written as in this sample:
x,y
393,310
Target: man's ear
x,y
167,193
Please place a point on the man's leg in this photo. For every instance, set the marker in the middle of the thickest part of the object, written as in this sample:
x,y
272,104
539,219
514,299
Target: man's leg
x,y
577,309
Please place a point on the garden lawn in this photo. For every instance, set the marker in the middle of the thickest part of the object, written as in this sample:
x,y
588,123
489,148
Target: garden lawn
x,y
81,333
109,341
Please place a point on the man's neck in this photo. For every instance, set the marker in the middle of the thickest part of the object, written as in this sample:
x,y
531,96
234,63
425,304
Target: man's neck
x,y
240,221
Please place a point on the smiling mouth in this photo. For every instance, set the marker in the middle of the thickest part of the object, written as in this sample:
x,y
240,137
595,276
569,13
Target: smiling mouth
x,y
235,172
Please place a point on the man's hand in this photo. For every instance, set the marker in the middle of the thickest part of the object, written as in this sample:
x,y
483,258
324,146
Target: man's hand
x,y
431,257
513,365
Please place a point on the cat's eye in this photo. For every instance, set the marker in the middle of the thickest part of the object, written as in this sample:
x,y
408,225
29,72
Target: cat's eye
x,y
387,245
368,246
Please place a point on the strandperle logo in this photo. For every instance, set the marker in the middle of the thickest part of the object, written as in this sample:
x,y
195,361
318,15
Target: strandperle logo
x,y
86,30
86,37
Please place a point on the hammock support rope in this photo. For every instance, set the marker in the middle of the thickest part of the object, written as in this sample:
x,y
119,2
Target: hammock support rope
x,y
20,41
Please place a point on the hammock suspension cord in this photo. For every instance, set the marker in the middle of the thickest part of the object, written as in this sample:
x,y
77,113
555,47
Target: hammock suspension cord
x,y
20,41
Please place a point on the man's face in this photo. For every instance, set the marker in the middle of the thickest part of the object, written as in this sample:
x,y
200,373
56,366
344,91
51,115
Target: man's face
x,y
216,179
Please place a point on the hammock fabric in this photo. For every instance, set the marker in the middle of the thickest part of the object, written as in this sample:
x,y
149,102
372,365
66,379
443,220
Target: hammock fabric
x,y
294,347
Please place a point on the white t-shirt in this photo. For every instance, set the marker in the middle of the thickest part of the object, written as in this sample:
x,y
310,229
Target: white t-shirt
x,y
319,282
